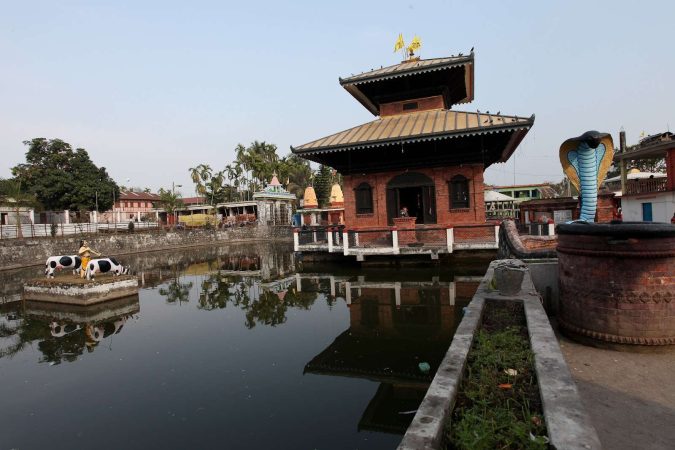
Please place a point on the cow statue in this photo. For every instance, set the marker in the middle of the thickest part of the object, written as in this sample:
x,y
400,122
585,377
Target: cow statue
x,y
62,262
105,265
62,329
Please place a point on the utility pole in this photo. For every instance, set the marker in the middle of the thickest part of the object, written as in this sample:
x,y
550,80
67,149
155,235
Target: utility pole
x,y
173,194
622,161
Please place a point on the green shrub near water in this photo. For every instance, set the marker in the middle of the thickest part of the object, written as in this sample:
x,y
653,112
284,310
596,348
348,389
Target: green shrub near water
x,y
486,416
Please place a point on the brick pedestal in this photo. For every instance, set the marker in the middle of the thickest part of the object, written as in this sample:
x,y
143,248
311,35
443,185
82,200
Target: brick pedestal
x,y
617,282
402,224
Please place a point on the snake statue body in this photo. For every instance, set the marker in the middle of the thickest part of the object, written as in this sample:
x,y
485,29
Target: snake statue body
x,y
585,160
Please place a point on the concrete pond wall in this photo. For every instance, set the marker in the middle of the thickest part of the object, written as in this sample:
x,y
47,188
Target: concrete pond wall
x,y
567,423
23,252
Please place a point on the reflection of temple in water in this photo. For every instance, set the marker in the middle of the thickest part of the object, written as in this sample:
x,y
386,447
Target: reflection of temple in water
x,y
268,266
63,332
394,327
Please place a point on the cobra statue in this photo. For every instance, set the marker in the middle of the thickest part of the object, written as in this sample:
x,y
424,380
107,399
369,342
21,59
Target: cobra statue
x,y
585,160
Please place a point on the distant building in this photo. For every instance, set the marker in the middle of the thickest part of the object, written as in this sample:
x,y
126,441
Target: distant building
x,y
275,204
524,192
500,206
649,198
132,206
8,215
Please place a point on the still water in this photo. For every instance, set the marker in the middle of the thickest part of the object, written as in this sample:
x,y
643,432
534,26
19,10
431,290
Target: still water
x,y
228,347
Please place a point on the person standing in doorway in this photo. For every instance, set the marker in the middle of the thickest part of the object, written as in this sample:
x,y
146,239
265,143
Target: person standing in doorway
x,y
85,254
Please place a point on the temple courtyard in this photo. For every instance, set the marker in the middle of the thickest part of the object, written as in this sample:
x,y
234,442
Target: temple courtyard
x,y
628,395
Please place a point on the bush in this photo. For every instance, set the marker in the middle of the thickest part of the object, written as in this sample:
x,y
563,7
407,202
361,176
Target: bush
x,y
131,226
53,229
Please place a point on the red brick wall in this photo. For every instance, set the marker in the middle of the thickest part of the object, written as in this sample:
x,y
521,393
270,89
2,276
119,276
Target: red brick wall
x,y
670,169
606,210
423,104
441,176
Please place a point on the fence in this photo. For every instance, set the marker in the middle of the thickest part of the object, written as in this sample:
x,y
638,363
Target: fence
x,y
646,186
393,240
46,229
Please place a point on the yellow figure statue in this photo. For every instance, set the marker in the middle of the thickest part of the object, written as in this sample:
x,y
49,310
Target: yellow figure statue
x,y
85,254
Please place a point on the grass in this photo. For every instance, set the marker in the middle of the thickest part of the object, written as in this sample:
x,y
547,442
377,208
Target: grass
x,y
497,408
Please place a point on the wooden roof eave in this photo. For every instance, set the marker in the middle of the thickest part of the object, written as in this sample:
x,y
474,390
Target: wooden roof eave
x,y
358,95
363,78
515,141
524,126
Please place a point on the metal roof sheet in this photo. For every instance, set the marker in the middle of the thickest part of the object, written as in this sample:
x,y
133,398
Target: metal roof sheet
x,y
408,68
417,126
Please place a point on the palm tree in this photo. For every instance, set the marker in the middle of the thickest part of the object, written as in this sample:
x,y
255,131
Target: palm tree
x,y
195,174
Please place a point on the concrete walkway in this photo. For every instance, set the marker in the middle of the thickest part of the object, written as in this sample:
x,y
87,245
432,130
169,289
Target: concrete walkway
x,y
629,396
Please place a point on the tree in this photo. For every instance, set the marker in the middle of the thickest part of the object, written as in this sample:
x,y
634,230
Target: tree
x,y
297,173
170,201
322,185
61,178
200,176
258,162
12,196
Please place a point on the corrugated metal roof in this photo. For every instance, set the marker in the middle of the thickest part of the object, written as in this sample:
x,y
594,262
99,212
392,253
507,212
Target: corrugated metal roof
x,y
407,68
131,195
418,126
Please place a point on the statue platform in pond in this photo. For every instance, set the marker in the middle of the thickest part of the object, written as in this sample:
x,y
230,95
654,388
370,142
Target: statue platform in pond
x,y
78,291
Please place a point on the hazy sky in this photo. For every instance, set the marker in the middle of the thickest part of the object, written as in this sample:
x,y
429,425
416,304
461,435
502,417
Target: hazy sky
x,y
153,88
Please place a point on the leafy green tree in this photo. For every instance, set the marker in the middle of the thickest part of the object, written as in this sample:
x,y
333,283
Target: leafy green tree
x,y
296,172
170,200
322,185
62,178
258,162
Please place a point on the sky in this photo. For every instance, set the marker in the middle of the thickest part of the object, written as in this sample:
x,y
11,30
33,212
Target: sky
x,y
152,88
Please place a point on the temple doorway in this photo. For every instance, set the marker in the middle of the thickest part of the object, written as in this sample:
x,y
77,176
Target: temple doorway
x,y
415,192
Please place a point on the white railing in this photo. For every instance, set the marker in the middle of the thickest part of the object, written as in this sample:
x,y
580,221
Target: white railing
x,y
47,230
396,241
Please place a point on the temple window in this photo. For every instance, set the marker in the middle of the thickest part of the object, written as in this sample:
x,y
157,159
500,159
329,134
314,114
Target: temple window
x,y
364,199
459,192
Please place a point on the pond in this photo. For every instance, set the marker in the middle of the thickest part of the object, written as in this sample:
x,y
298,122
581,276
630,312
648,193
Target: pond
x,y
228,347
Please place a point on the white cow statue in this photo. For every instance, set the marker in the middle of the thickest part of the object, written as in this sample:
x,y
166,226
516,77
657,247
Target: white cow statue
x,y
55,263
105,265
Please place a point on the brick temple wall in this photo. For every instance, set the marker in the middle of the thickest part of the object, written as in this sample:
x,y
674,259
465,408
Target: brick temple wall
x,y
441,177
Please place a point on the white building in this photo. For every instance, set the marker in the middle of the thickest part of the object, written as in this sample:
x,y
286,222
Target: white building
x,y
649,197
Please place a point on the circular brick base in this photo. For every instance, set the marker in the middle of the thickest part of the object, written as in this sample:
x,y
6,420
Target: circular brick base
x,y
617,282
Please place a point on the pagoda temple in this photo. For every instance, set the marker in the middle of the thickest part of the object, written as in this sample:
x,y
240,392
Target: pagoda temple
x,y
419,158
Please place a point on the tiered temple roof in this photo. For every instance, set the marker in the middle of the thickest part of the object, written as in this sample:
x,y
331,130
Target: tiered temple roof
x,y
417,127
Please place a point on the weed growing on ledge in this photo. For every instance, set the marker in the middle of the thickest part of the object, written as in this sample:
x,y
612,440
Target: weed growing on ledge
x,y
498,406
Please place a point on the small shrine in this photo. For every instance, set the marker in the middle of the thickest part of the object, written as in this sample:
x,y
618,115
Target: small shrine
x,y
332,215
421,159
274,204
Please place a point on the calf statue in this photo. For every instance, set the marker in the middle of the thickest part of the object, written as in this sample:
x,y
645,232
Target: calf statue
x,y
585,160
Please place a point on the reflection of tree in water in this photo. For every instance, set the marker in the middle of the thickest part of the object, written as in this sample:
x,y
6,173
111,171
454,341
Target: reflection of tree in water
x,y
270,308
176,291
261,307
215,291
25,332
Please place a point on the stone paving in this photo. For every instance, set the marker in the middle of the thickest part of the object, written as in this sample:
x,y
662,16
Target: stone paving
x,y
629,396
